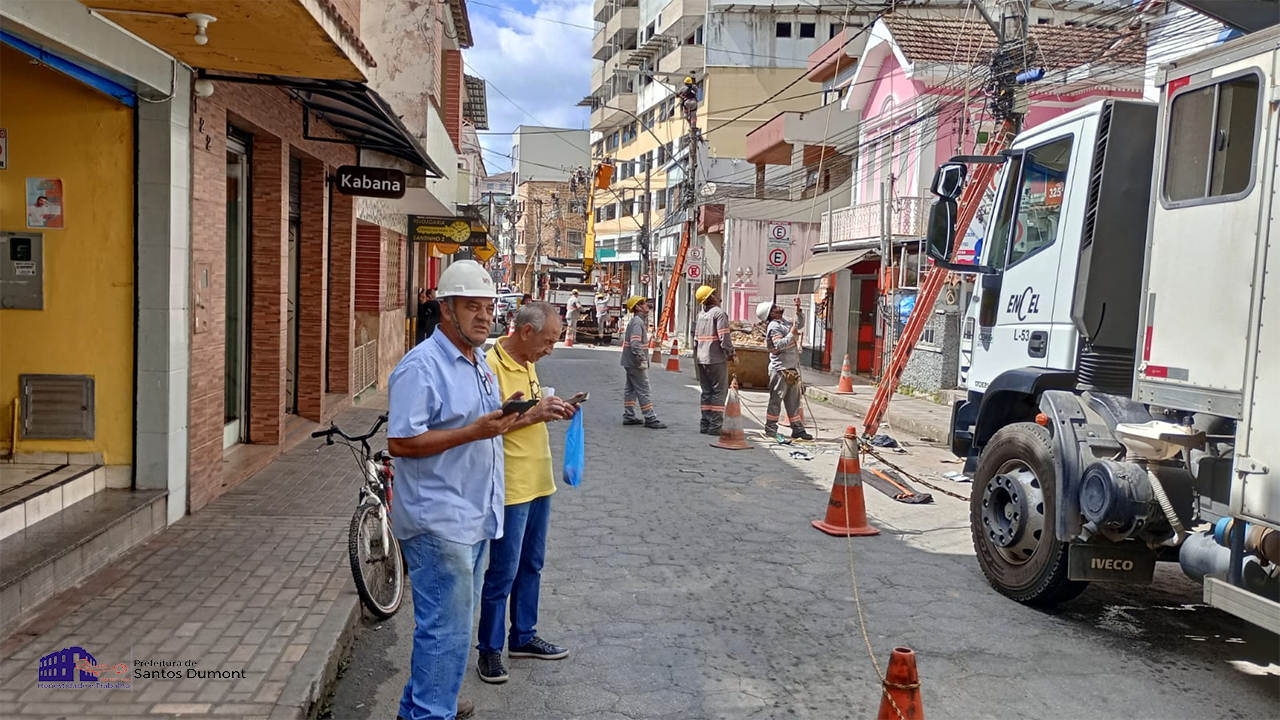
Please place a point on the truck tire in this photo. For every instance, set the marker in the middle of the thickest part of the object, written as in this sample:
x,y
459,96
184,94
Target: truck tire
x,y
1011,517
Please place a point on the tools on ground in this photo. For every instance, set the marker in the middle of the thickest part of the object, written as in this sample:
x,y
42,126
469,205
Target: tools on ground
x,y
895,487
731,437
847,508
901,697
846,378
673,362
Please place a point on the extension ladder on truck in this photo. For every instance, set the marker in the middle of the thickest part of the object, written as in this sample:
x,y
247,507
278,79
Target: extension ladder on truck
x,y
974,189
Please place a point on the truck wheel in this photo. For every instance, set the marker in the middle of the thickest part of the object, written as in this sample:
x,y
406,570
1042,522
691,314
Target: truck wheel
x,y
1011,516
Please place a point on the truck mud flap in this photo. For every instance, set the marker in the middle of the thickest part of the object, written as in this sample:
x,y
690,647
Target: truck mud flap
x,y
1127,562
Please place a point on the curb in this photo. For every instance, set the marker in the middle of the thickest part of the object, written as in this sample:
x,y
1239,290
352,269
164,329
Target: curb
x,y
314,675
917,428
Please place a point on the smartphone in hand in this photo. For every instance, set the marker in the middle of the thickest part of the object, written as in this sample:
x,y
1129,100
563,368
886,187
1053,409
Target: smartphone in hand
x,y
519,407
578,399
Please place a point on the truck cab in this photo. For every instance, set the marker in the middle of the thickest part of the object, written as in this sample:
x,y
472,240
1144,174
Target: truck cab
x,y
1058,297
1125,366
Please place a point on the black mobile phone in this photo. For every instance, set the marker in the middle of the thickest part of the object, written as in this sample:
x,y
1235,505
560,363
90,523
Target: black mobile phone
x,y
517,406
579,398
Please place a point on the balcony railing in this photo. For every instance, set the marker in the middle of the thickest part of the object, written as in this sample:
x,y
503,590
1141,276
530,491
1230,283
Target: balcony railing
x,y
908,217
678,10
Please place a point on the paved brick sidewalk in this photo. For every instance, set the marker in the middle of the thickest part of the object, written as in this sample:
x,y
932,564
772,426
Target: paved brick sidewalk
x,y
911,417
257,584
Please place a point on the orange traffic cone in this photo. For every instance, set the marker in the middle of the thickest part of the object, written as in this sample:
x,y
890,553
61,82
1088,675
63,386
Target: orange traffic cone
x,y
731,437
846,378
673,362
901,697
847,509
568,338
657,353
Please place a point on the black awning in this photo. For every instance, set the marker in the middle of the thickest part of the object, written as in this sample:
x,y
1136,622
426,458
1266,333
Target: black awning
x,y
352,108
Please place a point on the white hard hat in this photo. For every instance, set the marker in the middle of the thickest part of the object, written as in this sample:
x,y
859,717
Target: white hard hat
x,y
762,310
466,278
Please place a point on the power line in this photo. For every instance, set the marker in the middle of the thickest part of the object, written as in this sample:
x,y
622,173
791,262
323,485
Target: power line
x,y
520,107
531,17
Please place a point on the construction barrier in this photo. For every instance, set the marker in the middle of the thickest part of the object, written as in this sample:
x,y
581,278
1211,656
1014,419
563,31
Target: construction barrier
x,y
846,378
847,508
901,697
731,437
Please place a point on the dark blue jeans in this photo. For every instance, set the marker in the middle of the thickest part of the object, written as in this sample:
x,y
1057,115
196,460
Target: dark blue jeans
x,y
445,577
515,571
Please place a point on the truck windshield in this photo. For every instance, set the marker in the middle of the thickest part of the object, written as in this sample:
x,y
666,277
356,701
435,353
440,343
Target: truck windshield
x,y
1030,202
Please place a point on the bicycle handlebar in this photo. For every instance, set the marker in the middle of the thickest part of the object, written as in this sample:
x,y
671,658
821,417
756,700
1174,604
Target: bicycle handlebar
x,y
333,429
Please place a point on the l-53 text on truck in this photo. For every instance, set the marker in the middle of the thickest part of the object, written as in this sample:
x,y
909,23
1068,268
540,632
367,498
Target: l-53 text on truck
x,y
1124,393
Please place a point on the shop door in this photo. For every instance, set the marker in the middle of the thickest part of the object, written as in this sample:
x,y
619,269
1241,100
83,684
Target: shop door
x,y
866,324
295,229
234,391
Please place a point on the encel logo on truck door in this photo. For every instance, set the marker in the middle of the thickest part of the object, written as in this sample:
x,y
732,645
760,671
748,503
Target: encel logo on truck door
x,y
1025,303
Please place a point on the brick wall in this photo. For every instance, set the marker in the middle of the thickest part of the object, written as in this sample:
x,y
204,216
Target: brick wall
x,y
454,91
275,123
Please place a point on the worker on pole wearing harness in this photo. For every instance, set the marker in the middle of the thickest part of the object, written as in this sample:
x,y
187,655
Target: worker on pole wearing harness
x,y
783,340
714,351
635,359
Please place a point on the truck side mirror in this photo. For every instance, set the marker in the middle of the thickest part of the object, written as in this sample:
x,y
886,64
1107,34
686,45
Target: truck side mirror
x,y
940,235
948,181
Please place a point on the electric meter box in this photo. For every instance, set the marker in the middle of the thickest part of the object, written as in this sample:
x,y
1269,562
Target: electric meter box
x,y
21,271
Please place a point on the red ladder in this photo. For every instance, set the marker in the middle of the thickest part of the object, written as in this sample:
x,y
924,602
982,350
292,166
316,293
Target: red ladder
x,y
669,304
974,189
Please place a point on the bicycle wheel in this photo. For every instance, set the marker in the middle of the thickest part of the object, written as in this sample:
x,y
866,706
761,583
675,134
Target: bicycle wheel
x,y
378,569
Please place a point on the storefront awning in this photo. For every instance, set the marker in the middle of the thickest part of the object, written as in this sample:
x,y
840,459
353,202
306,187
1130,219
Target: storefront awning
x,y
303,38
825,264
352,108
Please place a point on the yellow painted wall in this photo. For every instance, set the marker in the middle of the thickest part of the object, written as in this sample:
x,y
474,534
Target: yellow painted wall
x,y
60,128
731,88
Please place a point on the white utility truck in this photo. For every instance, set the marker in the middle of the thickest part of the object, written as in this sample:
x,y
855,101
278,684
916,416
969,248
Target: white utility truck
x,y
1124,393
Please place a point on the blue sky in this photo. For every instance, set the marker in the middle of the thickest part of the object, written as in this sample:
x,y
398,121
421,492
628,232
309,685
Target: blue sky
x,y
543,66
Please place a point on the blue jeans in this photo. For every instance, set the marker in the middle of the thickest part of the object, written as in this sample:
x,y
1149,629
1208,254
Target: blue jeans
x,y
446,583
515,570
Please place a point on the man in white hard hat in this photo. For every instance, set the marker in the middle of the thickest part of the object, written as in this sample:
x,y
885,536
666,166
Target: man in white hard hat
x,y
446,426
714,351
783,340
573,311
635,360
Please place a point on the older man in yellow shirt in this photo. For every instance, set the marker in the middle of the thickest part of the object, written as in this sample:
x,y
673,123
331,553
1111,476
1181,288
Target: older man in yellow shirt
x,y
516,558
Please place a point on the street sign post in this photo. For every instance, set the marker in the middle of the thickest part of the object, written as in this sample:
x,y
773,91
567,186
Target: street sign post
x,y
779,234
697,254
778,263
693,271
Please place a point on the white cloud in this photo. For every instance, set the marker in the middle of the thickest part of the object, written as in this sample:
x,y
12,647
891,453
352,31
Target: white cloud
x,y
545,67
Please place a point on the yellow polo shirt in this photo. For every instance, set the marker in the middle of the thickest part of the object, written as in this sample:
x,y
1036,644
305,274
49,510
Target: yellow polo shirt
x,y
529,472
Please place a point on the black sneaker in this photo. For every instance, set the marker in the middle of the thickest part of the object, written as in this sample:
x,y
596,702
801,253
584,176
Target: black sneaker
x,y
703,431
801,435
655,424
491,669
632,421
538,648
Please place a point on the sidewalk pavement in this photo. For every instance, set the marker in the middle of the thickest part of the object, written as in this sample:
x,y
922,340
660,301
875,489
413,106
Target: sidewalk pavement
x,y
913,416
257,584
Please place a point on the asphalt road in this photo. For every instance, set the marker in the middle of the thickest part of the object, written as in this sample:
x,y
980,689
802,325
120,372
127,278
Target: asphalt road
x,y
689,584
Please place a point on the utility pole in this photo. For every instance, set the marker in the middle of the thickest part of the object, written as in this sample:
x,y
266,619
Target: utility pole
x,y
646,224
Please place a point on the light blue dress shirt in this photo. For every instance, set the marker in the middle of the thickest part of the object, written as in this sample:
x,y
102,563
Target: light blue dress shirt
x,y
458,494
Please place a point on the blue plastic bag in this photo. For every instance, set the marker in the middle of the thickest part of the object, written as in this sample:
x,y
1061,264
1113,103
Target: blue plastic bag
x,y
575,450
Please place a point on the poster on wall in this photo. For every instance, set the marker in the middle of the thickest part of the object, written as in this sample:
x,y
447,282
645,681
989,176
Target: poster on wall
x,y
44,203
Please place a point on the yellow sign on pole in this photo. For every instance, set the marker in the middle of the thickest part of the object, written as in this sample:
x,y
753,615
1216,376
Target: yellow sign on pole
x,y
486,253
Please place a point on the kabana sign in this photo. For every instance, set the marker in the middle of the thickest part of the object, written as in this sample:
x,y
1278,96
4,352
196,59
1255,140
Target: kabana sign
x,y
370,182
456,231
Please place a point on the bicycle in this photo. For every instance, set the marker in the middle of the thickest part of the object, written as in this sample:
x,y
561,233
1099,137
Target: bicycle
x,y
377,565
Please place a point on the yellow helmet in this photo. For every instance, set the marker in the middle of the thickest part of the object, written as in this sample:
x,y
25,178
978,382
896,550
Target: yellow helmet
x,y
688,81
703,293
633,301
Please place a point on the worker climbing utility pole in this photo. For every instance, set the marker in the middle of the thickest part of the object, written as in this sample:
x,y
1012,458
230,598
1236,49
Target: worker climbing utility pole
x,y
1008,104
688,97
